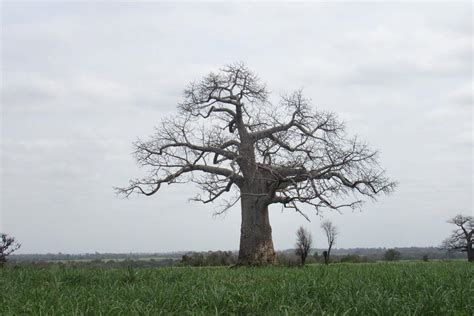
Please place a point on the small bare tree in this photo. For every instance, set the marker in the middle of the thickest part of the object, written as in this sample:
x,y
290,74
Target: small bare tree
x,y
231,140
304,241
331,233
7,247
462,238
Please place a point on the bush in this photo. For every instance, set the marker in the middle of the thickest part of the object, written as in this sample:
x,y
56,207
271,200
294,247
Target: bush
x,y
353,259
392,255
288,259
210,258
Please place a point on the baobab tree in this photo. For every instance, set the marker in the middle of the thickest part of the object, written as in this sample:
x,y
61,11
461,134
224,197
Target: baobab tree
x,y
462,238
331,233
231,140
304,241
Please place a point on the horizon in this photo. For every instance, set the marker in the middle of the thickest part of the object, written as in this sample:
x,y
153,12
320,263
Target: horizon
x,y
203,251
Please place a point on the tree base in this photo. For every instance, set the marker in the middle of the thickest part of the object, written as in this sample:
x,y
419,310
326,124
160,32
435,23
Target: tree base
x,y
263,256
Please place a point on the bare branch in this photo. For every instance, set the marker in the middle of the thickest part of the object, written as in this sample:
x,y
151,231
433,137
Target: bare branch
x,y
7,247
228,138
331,233
462,238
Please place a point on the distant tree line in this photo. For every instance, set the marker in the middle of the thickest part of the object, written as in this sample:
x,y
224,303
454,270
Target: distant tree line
x,y
210,258
288,257
94,256
461,240
228,258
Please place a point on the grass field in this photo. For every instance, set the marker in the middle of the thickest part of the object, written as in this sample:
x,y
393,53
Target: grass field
x,y
421,288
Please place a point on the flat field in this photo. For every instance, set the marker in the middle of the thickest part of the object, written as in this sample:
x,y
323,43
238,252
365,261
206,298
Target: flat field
x,y
403,288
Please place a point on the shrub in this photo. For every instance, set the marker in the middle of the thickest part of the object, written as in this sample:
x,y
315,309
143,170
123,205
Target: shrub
x,y
210,258
392,255
353,259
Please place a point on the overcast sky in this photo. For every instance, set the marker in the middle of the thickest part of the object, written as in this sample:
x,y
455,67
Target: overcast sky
x,y
81,81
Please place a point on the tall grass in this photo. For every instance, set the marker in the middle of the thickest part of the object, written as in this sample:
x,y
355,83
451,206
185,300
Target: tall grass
x,y
422,288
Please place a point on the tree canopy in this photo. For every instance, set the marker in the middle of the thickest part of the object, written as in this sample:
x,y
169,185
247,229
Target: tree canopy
x,y
305,153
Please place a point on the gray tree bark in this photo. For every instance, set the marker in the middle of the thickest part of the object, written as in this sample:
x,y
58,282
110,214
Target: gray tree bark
x,y
256,245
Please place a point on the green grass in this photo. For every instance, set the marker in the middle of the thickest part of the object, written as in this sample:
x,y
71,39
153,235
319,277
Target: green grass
x,y
421,288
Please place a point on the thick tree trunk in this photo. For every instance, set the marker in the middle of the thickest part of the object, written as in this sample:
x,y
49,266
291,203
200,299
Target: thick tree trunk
x,y
256,245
